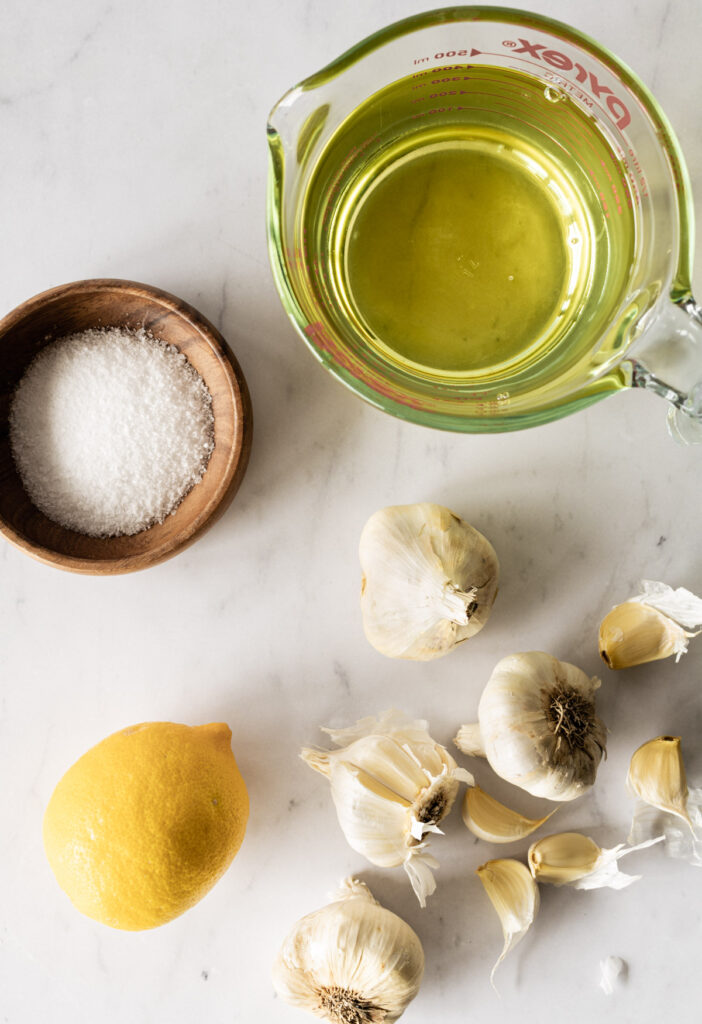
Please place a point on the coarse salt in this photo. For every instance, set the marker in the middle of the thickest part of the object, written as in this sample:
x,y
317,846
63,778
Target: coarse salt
x,y
109,430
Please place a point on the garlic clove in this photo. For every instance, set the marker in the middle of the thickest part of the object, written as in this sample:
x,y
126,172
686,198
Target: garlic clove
x,y
352,962
515,896
319,760
374,820
563,858
651,625
634,634
657,776
394,766
469,740
570,858
429,580
666,805
488,819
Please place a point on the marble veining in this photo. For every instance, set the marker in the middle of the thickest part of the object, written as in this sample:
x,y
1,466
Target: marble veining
x,y
134,143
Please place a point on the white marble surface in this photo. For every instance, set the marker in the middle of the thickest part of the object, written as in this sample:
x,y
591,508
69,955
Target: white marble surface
x,y
133,146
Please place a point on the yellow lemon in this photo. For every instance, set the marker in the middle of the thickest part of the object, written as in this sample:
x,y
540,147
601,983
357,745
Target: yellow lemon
x,y
145,823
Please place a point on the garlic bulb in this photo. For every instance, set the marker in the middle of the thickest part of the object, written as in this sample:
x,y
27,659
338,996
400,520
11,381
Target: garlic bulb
x,y
666,806
571,858
352,962
488,819
652,625
391,784
515,896
429,580
537,726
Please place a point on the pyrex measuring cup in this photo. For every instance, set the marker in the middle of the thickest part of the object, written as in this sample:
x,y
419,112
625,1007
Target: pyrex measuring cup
x,y
480,220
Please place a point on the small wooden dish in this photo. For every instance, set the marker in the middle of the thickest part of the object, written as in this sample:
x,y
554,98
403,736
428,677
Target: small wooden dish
x,y
113,303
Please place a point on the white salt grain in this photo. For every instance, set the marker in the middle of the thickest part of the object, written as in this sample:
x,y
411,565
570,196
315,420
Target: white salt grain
x,y
109,430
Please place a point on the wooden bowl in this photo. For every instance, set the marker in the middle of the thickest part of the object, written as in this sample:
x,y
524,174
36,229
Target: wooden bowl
x,y
113,303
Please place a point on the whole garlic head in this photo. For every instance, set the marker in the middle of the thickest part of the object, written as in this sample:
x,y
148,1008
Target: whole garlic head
x,y
429,580
352,962
537,726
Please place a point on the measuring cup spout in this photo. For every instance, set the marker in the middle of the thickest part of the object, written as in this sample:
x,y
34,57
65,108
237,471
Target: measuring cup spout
x,y
667,359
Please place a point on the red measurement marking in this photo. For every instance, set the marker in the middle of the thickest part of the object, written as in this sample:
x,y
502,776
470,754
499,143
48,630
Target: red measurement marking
x,y
613,107
319,336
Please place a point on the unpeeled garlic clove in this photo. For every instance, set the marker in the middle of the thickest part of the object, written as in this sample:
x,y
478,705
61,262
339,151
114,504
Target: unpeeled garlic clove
x,y
570,858
657,776
488,819
634,634
563,858
514,895
469,740
429,580
654,624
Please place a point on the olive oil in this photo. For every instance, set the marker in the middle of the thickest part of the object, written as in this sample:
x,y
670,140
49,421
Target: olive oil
x,y
484,240
459,256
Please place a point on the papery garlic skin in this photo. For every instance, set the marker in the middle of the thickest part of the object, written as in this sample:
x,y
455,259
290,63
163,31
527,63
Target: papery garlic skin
x,y
612,968
429,580
391,784
352,962
652,625
678,604
683,839
490,820
571,858
514,895
538,726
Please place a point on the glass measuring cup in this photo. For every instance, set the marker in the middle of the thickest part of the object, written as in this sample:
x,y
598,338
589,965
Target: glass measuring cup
x,y
473,111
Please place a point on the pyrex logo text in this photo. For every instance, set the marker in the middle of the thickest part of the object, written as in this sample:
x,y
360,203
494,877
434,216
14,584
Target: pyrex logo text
x,y
616,107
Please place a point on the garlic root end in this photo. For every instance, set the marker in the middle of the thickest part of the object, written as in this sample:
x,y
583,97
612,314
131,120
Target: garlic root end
x,y
458,605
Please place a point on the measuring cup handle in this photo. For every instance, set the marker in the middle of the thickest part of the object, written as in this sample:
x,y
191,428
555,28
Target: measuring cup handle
x,y
667,359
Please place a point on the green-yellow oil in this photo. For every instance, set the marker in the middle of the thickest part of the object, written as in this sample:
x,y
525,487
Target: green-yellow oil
x,y
486,235
459,254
